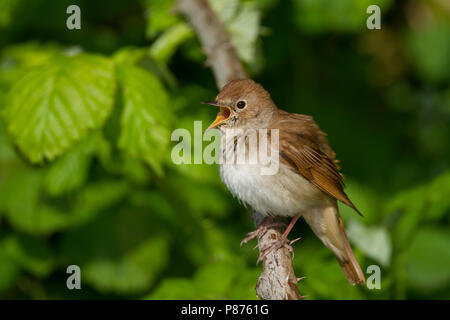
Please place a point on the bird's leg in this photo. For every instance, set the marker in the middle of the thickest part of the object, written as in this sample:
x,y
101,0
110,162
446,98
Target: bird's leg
x,y
290,226
261,230
282,242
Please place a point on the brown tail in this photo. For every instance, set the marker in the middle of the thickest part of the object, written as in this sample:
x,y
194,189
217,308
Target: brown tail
x,y
349,264
327,225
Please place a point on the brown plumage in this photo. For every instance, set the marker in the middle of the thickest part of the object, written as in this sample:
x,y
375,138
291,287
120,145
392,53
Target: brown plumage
x,y
308,182
304,149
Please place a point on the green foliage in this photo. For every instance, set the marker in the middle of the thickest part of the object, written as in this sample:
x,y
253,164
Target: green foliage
x,y
70,171
423,204
118,261
7,8
58,103
19,199
205,284
243,22
427,259
29,254
373,241
430,51
340,16
145,117
85,171
164,47
160,16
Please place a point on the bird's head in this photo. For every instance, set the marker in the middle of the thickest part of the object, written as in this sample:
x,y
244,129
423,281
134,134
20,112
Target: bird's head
x,y
243,104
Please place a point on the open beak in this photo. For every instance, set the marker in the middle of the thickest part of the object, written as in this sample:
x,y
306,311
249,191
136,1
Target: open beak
x,y
223,115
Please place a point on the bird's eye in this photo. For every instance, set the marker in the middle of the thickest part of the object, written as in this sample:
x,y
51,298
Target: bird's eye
x,y
241,104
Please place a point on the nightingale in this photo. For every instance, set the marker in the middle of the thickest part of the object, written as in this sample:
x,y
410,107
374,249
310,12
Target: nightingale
x,y
308,182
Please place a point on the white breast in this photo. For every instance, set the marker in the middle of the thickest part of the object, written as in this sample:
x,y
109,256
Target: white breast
x,y
285,193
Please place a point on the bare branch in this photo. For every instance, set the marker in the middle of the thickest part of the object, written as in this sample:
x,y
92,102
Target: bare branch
x,y
216,43
277,281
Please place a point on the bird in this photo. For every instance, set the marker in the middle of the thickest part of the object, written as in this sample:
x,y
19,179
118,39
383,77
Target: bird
x,y
307,183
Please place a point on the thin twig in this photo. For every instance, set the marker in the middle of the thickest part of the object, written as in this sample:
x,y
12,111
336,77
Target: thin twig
x,y
277,281
216,43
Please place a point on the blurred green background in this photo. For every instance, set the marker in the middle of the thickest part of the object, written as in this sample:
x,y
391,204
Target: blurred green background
x,y
86,176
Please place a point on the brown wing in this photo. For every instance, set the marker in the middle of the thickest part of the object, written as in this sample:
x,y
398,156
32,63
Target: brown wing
x,y
304,149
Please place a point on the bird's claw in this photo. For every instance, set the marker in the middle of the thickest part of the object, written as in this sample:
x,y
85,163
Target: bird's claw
x,y
260,231
251,235
280,243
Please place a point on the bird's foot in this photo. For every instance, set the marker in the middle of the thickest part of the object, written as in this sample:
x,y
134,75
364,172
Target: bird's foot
x,y
261,230
251,235
280,243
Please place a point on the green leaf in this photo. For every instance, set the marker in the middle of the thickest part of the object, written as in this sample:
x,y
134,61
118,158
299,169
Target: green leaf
x,y
29,54
242,21
426,202
164,47
16,61
244,31
19,198
159,16
146,116
96,197
56,104
225,9
30,253
427,260
130,55
70,171
373,241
